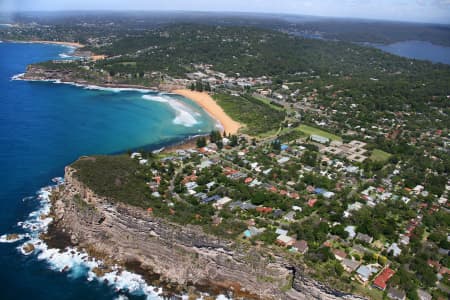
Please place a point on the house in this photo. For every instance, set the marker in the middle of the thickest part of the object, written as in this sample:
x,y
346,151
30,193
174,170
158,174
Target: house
x,y
339,254
381,280
242,205
266,172
221,202
328,195
396,251
191,185
205,164
350,265
136,155
211,199
301,246
297,208
283,160
285,241
364,272
280,231
277,213
423,295
418,189
264,210
364,238
201,196
253,231
290,216
248,180
312,202
396,294
319,139
351,232
210,185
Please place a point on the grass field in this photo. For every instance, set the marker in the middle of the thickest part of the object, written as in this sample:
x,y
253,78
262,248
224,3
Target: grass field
x,y
379,155
258,116
312,130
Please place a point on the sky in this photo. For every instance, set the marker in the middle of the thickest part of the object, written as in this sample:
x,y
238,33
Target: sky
x,y
429,11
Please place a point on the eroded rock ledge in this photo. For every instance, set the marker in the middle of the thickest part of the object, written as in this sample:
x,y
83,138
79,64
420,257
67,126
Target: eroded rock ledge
x,y
184,255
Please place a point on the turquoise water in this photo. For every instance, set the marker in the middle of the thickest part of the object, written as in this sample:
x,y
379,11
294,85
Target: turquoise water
x,y
45,126
419,50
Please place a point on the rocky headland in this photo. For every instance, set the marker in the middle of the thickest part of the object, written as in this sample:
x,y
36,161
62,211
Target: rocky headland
x,y
183,257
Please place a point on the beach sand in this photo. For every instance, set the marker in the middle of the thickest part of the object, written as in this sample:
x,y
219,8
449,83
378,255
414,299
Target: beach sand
x,y
204,100
71,44
93,57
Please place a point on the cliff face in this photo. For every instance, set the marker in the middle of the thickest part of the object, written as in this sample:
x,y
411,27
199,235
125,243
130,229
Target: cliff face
x,y
85,77
181,254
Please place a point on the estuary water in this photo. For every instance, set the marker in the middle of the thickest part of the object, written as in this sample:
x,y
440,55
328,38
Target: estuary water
x,y
45,126
418,50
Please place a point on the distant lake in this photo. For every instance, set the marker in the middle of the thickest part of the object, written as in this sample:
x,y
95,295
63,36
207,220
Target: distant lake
x,y
418,50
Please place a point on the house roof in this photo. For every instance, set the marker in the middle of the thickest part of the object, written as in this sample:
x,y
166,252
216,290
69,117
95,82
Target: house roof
x,y
301,245
396,294
364,237
351,264
365,271
285,239
423,295
382,279
339,253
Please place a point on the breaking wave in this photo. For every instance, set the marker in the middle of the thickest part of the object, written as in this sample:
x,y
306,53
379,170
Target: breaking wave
x,y
184,115
73,262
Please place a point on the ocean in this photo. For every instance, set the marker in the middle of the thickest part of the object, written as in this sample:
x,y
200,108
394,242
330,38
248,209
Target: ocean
x,y
45,126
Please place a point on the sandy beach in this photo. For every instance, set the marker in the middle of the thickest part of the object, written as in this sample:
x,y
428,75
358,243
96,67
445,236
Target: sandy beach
x,y
209,105
71,44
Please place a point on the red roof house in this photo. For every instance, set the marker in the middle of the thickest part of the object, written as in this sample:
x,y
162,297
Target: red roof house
x,y
311,202
382,279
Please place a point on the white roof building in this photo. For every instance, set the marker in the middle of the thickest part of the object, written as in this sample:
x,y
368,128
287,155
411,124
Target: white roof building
x,y
221,202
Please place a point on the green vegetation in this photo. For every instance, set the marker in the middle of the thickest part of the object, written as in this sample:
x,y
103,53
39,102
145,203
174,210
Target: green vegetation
x,y
312,130
258,116
379,155
116,177
269,102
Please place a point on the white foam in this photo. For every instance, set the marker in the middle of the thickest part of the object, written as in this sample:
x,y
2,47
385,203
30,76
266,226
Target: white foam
x,y
184,115
76,263
64,55
115,90
18,76
72,261
87,87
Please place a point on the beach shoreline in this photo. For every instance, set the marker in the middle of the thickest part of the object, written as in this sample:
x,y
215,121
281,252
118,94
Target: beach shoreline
x,y
69,44
205,101
74,45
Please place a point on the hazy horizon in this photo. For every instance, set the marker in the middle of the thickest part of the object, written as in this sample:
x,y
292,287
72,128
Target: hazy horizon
x,y
420,11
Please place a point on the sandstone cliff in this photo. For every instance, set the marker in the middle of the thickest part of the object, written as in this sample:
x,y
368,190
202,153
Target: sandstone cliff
x,y
181,254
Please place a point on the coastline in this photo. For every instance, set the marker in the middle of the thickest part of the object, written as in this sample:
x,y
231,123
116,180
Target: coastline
x,y
205,101
74,45
69,44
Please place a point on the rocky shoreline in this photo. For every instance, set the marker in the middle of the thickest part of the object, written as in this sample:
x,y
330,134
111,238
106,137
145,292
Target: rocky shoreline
x,y
39,73
182,259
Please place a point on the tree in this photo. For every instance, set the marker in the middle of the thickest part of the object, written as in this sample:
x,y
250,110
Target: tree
x,y
201,142
215,136
233,140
